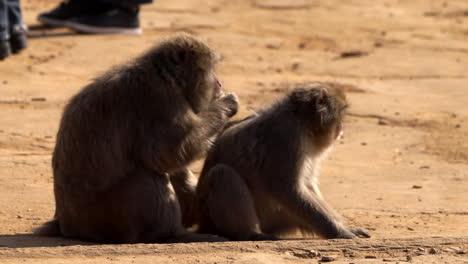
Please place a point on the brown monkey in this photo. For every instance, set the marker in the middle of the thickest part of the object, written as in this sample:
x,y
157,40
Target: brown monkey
x,y
126,134
260,178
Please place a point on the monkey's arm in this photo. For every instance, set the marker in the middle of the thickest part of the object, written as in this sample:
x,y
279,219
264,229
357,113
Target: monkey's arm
x,y
315,213
188,139
235,122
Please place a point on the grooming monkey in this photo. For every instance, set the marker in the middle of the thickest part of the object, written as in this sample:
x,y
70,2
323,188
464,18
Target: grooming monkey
x,y
260,178
124,143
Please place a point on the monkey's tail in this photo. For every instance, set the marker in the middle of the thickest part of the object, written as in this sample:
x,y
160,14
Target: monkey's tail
x,y
51,228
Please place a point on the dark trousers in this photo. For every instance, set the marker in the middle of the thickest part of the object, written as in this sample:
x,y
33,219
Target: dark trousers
x,y
10,17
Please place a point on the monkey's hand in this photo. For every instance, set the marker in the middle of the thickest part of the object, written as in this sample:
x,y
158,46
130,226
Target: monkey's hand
x,y
360,232
230,103
353,233
345,234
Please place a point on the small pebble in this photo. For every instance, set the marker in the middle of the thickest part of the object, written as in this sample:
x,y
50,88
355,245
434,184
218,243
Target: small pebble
x,y
432,251
327,259
382,122
409,258
273,46
457,126
410,229
424,167
38,99
421,249
295,66
370,257
353,53
417,187
363,143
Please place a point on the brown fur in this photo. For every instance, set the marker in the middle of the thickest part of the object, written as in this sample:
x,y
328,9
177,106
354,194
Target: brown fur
x,y
124,136
260,178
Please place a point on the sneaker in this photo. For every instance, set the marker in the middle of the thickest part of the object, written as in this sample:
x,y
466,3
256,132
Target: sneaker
x,y
68,9
18,38
5,49
114,21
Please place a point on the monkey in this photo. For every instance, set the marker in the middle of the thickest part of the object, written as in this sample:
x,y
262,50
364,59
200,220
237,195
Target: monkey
x,y
260,179
125,141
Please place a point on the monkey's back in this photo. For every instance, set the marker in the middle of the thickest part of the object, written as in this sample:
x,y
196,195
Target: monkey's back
x,y
97,134
257,147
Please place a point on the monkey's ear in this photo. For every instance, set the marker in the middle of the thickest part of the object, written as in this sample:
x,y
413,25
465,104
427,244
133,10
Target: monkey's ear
x,y
322,98
180,57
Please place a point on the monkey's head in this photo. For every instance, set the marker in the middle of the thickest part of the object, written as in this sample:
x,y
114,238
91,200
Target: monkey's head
x,y
189,63
321,109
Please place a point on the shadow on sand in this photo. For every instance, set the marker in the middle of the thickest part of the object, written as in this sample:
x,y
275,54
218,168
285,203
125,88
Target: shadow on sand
x,y
43,31
30,240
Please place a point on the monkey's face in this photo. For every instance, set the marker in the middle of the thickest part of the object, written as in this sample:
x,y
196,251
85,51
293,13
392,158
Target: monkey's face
x,y
339,130
191,63
321,109
217,90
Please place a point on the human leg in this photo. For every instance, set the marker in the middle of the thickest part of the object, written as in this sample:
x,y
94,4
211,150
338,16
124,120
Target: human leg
x,y
5,49
17,28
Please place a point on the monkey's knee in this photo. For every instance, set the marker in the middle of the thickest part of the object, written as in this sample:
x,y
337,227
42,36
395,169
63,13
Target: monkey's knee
x,y
227,203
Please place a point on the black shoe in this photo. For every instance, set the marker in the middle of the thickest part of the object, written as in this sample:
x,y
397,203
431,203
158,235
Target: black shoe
x,y
18,38
5,49
114,21
68,9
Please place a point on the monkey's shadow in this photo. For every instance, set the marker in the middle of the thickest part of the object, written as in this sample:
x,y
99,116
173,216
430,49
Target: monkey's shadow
x,y
30,240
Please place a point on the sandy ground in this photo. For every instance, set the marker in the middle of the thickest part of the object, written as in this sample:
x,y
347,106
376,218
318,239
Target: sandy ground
x,y
401,170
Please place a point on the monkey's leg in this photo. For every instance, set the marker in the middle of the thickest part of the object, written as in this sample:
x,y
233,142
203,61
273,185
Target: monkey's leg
x,y
149,202
227,201
279,223
316,214
185,184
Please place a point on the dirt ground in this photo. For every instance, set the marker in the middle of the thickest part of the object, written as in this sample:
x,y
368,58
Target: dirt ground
x,y
401,170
